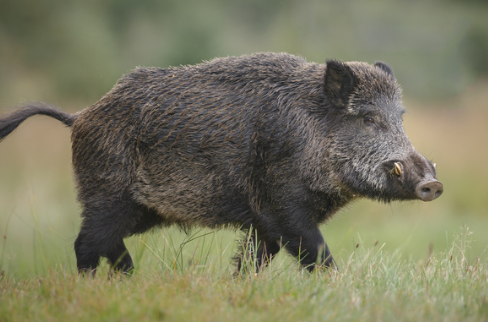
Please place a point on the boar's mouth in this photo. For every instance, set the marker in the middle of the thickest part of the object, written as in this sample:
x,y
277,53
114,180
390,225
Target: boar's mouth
x,y
413,182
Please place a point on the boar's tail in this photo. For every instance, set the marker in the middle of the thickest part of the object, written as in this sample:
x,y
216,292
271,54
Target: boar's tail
x,y
11,121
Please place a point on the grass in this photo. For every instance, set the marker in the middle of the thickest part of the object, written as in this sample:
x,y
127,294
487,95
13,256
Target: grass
x,y
370,285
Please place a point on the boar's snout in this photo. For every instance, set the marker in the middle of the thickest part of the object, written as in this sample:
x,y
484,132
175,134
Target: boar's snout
x,y
413,178
429,190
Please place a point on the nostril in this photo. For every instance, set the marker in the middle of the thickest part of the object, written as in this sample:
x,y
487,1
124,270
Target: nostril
x,y
429,190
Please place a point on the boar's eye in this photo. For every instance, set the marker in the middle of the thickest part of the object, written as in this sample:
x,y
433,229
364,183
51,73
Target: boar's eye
x,y
368,120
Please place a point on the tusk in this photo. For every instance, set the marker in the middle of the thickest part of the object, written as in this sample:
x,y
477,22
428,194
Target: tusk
x,y
398,168
434,165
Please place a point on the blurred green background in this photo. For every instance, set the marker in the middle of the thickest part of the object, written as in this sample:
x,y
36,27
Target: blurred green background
x,y
70,53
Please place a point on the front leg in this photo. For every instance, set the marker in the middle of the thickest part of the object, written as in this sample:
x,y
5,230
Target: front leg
x,y
255,247
308,246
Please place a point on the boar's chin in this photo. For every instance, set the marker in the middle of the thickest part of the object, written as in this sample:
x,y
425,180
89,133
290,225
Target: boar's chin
x,y
386,190
394,192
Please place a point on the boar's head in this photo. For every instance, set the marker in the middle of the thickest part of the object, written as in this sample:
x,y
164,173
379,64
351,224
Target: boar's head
x,y
368,151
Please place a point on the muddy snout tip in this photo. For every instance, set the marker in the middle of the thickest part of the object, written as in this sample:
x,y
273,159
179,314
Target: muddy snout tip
x,y
429,190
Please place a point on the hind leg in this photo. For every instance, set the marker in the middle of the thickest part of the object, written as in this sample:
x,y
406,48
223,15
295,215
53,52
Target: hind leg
x,y
119,256
99,238
87,254
106,222
88,259
120,259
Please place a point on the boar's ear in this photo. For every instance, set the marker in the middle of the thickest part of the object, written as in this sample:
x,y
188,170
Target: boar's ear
x,y
339,82
384,67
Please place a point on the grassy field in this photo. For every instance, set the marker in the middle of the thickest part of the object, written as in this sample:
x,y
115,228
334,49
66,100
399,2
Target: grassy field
x,y
404,261
371,285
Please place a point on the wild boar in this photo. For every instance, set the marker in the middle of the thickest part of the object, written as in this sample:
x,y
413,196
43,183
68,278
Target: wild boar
x,y
268,141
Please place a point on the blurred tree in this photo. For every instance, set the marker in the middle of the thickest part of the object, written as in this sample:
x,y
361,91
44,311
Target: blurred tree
x,y
474,51
72,50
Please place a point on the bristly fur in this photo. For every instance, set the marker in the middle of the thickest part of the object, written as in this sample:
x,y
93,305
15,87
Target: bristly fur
x,y
268,141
